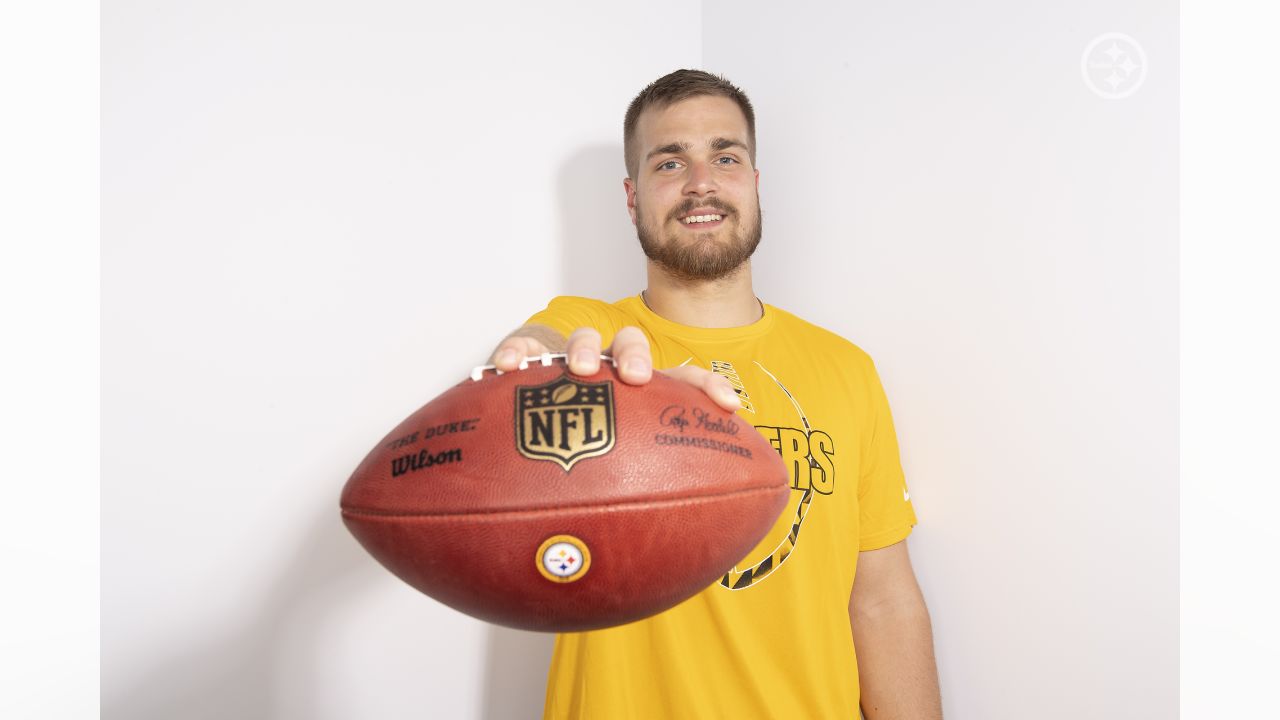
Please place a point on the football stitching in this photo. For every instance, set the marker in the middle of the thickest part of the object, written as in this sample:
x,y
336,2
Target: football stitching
x,y
639,504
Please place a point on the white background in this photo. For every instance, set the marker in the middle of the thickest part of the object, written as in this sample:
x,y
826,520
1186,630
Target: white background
x,y
314,218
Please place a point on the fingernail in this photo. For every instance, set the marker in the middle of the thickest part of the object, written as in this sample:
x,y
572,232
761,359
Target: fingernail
x,y
635,366
582,358
506,357
728,395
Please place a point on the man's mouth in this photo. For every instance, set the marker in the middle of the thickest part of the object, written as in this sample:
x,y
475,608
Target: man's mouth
x,y
702,221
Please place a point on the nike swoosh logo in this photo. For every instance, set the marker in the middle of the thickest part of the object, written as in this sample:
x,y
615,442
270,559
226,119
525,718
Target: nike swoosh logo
x,y
905,495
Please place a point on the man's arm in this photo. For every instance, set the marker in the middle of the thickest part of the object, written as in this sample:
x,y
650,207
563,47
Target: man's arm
x,y
893,638
527,341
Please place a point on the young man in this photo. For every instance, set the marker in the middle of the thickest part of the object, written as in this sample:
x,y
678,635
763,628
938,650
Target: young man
x,y
776,637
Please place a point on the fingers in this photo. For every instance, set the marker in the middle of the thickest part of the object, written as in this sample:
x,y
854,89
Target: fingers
x,y
715,386
583,351
511,351
630,351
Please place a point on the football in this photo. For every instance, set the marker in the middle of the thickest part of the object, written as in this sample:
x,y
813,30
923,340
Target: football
x,y
542,500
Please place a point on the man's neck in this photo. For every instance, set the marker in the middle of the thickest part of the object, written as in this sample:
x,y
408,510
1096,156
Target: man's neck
x,y
727,302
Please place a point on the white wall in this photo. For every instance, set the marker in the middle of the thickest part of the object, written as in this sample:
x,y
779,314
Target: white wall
x,y
316,217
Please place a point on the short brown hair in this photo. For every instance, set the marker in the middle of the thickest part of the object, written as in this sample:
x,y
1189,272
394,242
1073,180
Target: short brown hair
x,y
672,88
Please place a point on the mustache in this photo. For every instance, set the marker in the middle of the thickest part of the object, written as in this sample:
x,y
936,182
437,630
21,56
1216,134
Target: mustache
x,y
715,204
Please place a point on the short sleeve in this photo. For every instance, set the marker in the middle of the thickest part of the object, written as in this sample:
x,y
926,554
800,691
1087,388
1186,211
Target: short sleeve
x,y
885,512
567,313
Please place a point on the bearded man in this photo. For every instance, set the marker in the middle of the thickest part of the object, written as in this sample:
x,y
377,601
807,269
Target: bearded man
x,y
825,615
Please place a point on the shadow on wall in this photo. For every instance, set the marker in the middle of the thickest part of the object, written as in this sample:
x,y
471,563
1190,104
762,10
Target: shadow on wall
x,y
600,258
600,255
252,670
237,673
515,670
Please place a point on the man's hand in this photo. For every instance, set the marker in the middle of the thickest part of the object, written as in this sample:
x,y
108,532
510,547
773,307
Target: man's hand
x,y
630,351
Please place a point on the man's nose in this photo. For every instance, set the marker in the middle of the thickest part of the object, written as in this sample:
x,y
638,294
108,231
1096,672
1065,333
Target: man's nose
x,y
700,180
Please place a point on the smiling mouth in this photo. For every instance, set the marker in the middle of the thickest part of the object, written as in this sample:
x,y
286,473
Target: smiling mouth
x,y
702,222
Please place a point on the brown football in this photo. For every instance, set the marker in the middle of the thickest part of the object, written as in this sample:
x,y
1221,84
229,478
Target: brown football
x,y
543,500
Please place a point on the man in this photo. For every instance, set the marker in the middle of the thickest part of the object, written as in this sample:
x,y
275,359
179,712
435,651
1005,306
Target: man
x,y
776,637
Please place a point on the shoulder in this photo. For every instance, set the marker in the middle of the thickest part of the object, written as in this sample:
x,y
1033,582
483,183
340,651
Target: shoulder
x,y
565,313
817,338
577,302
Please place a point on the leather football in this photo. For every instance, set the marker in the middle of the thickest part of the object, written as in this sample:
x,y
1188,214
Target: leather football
x,y
543,500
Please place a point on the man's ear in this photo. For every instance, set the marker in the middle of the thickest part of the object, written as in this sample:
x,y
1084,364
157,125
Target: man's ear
x,y
757,181
630,187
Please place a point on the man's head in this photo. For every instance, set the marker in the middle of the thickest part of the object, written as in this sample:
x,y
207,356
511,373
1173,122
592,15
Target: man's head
x,y
689,142
672,88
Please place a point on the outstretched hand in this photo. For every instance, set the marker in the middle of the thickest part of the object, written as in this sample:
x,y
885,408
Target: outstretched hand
x,y
630,351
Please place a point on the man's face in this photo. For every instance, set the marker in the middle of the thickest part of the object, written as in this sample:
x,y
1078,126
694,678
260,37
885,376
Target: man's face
x,y
694,162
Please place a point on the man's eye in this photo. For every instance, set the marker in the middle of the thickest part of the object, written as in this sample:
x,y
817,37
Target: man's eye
x,y
726,157
664,165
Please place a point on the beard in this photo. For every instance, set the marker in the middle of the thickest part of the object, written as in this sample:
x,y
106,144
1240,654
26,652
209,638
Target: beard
x,y
701,256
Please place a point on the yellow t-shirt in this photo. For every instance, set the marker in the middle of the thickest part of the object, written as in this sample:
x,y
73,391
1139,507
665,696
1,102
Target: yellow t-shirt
x,y
772,638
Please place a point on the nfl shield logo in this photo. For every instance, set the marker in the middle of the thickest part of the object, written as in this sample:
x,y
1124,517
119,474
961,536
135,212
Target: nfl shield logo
x,y
565,420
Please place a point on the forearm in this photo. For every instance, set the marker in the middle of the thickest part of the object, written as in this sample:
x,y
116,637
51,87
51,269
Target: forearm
x,y
550,338
554,341
896,667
